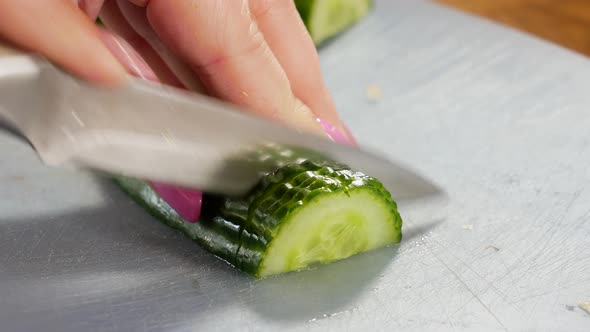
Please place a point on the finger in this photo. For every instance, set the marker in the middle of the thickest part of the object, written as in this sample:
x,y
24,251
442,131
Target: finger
x,y
141,3
186,202
287,36
61,32
143,38
131,60
222,43
91,7
114,20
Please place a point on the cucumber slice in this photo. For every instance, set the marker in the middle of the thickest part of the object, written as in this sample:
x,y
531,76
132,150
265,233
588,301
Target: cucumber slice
x,y
297,217
331,228
326,18
305,213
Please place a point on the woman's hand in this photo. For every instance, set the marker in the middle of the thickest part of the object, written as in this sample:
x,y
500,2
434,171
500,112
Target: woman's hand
x,y
254,53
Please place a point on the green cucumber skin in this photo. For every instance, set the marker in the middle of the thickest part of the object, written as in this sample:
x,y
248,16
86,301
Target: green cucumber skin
x,y
208,237
240,230
304,7
215,234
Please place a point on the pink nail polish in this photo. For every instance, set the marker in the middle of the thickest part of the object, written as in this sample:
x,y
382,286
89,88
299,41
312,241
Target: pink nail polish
x,y
335,134
349,135
127,56
186,202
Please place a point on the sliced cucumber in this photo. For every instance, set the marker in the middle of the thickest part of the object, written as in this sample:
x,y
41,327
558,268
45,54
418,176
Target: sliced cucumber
x,y
326,18
330,228
305,213
299,216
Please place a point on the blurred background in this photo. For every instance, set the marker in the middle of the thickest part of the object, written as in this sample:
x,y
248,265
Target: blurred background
x,y
564,22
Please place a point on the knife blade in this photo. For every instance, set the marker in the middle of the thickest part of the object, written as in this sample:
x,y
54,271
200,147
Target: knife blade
x,y
152,131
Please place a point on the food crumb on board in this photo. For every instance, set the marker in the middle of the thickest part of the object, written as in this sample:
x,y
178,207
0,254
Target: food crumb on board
x,y
468,227
585,306
493,248
374,92
569,307
15,178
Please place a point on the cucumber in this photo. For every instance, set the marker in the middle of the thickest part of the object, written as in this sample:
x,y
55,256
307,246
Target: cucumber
x,y
306,213
299,216
325,19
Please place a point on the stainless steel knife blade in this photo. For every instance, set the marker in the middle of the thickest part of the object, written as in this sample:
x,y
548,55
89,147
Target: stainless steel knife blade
x,y
151,131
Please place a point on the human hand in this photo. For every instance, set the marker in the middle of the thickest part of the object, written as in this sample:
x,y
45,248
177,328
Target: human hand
x,y
256,54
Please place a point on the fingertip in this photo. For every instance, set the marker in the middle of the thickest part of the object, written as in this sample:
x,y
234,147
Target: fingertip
x,y
91,7
127,56
338,135
296,54
107,72
103,70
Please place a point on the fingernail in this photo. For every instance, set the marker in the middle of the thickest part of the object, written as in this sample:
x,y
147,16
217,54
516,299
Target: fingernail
x,y
186,202
127,56
349,135
334,133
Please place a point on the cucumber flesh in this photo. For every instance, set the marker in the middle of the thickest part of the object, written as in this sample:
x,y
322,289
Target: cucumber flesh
x,y
331,228
297,217
305,213
326,18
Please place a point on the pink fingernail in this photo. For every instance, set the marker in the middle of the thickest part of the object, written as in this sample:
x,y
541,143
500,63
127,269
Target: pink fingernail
x,y
186,202
127,56
335,134
350,135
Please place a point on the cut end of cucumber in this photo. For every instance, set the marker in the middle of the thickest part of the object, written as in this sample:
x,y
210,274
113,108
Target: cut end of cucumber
x,y
300,216
335,227
326,18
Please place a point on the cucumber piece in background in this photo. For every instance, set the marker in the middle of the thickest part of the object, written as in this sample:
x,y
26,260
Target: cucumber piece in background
x,y
327,18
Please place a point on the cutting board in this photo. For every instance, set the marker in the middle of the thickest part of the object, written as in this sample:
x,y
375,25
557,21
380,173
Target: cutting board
x,y
499,119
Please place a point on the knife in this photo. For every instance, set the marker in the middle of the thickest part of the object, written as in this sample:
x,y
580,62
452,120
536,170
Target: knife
x,y
151,131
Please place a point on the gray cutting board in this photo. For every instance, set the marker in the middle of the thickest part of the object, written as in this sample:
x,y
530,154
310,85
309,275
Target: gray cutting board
x,y
499,119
